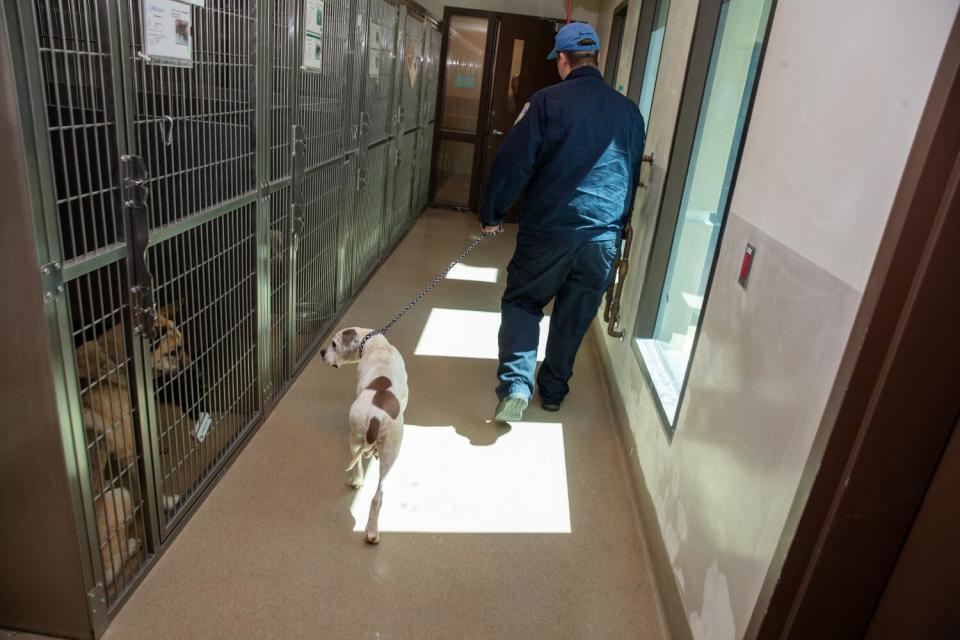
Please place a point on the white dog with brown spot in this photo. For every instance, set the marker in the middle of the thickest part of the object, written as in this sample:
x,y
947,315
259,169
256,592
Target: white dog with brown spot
x,y
376,416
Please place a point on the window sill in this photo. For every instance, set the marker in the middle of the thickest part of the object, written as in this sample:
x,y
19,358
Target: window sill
x,y
665,388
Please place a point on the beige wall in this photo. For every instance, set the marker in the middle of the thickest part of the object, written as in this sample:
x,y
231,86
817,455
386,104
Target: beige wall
x,y
837,106
851,79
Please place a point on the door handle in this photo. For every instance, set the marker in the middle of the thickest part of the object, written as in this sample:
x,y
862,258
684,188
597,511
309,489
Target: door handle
x,y
497,132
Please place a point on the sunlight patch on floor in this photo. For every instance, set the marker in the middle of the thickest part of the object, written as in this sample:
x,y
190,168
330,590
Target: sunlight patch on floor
x,y
473,274
442,483
460,333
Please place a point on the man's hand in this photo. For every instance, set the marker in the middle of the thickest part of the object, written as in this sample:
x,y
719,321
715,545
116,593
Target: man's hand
x,y
494,229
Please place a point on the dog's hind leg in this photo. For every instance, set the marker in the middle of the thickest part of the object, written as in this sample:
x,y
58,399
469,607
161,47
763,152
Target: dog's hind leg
x,y
388,455
358,430
356,455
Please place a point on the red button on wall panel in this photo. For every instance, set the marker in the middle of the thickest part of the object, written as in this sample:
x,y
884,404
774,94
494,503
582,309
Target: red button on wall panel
x,y
746,265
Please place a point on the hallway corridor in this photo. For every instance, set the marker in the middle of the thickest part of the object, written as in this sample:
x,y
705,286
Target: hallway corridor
x,y
521,532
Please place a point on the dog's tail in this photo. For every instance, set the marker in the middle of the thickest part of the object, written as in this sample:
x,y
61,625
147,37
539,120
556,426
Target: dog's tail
x,y
373,434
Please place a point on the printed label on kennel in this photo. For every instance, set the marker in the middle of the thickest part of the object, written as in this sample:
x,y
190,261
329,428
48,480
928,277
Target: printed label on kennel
x,y
374,47
168,33
313,35
202,428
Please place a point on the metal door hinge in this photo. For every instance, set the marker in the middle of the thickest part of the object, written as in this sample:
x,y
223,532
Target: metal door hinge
x,y
297,220
97,604
299,147
133,177
144,313
51,281
362,178
364,124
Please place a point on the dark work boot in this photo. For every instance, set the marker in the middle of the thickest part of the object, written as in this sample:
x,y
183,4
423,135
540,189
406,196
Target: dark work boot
x,y
550,405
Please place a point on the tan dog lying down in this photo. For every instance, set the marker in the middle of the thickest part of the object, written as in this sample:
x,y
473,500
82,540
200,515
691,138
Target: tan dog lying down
x,y
376,416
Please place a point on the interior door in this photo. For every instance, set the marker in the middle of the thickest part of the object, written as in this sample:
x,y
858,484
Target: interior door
x,y
920,600
613,49
520,69
463,89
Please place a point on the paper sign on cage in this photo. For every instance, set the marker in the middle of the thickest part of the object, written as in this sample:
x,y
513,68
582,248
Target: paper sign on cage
x,y
313,35
373,45
168,33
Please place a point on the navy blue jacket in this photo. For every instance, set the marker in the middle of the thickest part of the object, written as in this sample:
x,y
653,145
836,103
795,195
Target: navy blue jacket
x,y
577,149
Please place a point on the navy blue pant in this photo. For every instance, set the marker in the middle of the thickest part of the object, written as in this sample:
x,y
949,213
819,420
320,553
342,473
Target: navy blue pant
x,y
575,277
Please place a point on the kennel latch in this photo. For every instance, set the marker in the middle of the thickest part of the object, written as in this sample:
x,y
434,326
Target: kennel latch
x,y
133,178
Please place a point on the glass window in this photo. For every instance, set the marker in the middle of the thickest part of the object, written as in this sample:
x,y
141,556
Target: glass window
x,y
466,48
454,170
513,91
652,65
706,189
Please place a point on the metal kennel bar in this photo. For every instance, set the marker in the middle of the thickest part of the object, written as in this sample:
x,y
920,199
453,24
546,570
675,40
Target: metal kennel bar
x,y
393,230
412,73
279,66
428,112
201,219
418,198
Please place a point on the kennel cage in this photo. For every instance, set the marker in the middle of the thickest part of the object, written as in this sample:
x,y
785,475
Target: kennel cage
x,y
209,184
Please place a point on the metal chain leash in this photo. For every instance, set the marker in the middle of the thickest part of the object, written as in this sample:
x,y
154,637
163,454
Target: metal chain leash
x,y
443,274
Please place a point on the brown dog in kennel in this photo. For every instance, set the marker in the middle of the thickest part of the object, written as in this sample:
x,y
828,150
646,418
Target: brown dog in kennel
x,y
107,417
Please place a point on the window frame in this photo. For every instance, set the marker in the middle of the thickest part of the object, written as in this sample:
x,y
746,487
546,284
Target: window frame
x,y
707,26
648,13
618,26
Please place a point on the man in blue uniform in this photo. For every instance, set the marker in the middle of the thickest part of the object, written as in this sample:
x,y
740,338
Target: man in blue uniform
x,y
576,148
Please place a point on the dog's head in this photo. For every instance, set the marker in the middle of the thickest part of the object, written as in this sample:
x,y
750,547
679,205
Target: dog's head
x,y
344,348
169,354
102,356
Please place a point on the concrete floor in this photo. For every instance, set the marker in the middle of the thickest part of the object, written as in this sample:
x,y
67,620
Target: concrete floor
x,y
474,539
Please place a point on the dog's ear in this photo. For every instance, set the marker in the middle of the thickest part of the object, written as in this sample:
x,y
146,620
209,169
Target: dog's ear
x,y
349,341
169,311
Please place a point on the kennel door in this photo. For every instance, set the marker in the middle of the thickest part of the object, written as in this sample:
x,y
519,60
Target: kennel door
x,y
412,72
192,121
72,74
325,185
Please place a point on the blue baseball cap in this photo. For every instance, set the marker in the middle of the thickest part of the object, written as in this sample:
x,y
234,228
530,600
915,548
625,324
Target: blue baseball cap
x,y
576,36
